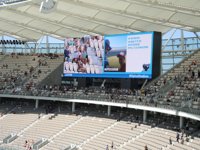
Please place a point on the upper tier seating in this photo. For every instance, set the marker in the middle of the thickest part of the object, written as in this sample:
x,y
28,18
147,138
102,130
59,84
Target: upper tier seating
x,y
15,68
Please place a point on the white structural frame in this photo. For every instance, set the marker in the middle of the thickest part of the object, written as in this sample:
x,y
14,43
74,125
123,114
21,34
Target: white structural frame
x,y
75,18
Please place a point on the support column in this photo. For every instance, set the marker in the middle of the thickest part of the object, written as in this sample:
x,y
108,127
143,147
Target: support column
x,y
182,40
181,122
36,103
144,116
37,46
109,110
165,46
47,44
73,107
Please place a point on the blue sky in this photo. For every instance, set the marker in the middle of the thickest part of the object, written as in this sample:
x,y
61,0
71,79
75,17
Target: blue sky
x,y
177,34
115,41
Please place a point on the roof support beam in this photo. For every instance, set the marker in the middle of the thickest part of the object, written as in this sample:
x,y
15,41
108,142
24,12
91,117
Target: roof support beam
x,y
14,34
22,26
73,28
114,11
163,6
125,14
168,39
197,35
94,20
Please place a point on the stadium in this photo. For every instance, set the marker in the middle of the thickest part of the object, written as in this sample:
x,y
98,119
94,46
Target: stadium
x,y
99,74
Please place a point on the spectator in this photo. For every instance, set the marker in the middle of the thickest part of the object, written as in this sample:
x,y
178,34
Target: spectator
x,y
31,69
39,61
164,82
112,145
193,74
170,141
182,141
25,144
25,73
187,139
187,126
39,71
177,137
107,148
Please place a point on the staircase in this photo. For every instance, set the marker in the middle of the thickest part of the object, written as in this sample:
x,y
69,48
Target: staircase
x,y
133,139
101,132
66,128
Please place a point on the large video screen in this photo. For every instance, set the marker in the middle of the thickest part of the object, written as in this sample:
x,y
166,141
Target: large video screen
x,y
111,56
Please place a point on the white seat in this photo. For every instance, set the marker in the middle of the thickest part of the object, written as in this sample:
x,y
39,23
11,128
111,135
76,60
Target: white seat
x,y
98,53
92,69
88,68
66,66
75,66
91,43
71,67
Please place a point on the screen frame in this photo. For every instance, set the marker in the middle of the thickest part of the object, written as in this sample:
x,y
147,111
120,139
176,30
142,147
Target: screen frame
x,y
122,74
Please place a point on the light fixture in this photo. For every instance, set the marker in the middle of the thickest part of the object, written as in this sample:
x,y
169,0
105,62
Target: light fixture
x,y
48,6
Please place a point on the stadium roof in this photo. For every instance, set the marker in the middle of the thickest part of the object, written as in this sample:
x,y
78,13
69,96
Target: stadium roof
x,y
75,18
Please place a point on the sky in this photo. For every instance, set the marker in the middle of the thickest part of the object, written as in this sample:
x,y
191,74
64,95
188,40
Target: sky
x,y
115,41
177,34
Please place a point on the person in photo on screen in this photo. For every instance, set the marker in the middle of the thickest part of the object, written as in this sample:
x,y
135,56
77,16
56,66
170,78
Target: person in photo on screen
x,y
66,53
122,62
81,65
107,46
107,49
83,54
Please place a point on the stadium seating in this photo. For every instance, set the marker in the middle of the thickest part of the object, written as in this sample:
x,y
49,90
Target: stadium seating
x,y
46,127
17,119
78,133
89,132
170,82
14,68
42,71
89,129
157,92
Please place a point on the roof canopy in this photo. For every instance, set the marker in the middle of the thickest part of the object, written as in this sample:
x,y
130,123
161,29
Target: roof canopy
x,y
75,18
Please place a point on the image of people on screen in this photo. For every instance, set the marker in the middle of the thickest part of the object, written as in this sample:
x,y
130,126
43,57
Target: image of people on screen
x,y
115,54
122,62
84,55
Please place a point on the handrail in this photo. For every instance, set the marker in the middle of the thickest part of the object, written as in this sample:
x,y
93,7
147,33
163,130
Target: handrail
x,y
49,96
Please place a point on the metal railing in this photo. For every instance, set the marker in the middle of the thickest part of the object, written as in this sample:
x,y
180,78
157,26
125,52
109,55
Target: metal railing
x,y
129,99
